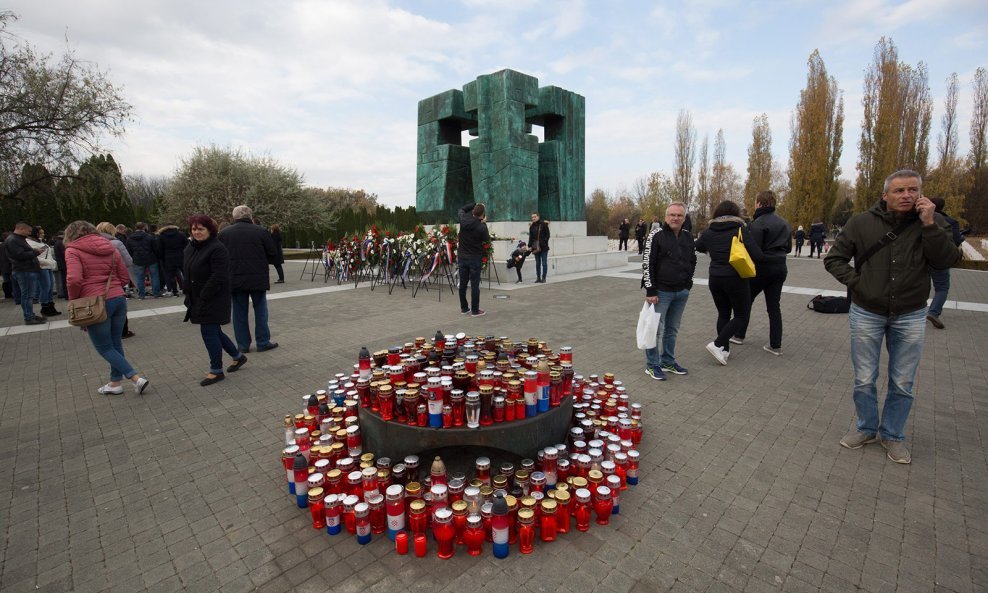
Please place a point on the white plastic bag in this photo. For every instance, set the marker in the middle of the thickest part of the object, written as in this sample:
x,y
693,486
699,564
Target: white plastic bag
x,y
648,327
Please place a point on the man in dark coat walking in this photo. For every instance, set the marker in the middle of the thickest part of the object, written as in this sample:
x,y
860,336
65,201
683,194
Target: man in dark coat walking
x,y
173,243
143,247
251,251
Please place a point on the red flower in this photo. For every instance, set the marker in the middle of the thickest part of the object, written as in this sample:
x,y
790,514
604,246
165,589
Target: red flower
x,y
484,260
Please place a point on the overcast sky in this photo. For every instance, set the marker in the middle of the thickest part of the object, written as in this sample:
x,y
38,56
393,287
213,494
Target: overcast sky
x,y
331,87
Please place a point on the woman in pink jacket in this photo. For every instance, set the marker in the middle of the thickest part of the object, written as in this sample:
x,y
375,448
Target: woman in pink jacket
x,y
89,260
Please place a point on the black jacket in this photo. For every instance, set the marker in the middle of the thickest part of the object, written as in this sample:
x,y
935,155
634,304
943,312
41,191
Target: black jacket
x,y
772,234
716,241
59,250
22,256
641,230
276,237
251,249
896,280
143,247
538,235
800,236
668,262
172,243
624,231
473,235
206,284
817,232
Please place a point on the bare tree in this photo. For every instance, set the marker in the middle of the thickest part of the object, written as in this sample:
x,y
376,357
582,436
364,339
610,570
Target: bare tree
x,y
979,121
52,112
685,158
704,203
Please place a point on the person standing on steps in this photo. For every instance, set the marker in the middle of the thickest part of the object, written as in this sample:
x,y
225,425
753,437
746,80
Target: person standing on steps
x,y
624,232
470,255
893,245
538,241
800,239
251,250
641,231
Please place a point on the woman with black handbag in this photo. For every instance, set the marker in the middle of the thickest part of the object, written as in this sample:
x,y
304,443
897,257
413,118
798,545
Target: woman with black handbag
x,y
93,268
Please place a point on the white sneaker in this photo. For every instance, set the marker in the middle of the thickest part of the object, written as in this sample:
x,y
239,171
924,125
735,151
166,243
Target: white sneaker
x,y
737,341
110,390
718,353
140,384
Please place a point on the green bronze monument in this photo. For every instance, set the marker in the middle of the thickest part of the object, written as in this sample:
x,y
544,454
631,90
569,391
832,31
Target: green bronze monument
x,y
505,166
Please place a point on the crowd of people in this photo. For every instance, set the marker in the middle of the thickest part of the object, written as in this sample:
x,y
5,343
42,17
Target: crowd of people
x,y
221,274
886,257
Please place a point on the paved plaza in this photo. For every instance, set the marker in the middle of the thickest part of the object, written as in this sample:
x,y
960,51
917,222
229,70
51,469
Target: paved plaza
x,y
743,484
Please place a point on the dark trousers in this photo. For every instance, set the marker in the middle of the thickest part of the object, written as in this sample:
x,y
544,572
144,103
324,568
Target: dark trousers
x,y
470,273
518,271
281,272
216,342
641,245
730,295
769,280
623,244
173,278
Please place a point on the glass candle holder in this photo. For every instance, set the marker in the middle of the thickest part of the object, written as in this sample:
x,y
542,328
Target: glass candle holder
x,y
459,509
633,458
582,509
417,519
614,483
444,532
395,508
526,530
473,409
547,520
317,507
473,536
603,505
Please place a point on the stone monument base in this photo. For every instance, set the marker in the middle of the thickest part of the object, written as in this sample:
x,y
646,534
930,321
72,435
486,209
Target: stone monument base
x,y
570,249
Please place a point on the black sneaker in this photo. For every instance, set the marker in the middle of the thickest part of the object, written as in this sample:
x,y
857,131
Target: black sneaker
x,y
478,313
35,321
655,373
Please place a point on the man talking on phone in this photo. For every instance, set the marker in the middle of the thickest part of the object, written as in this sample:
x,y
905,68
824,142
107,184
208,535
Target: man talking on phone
x,y
894,244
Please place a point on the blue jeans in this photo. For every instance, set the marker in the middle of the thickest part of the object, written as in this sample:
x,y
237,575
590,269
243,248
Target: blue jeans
x,y
941,284
137,275
25,285
541,264
106,339
216,342
241,327
44,287
670,306
470,273
903,337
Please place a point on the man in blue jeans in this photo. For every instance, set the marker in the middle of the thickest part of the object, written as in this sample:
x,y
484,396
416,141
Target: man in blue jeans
x,y
470,255
888,302
941,278
251,251
667,276
25,270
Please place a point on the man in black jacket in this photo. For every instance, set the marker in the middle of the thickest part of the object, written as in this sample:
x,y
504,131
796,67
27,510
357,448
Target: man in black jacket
x,y
667,276
172,243
25,270
143,247
470,255
251,251
774,235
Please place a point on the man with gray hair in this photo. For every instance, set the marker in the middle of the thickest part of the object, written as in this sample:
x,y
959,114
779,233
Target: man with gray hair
x,y
251,251
894,245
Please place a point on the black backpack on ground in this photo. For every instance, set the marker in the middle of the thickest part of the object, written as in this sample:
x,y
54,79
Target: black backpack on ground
x,y
831,304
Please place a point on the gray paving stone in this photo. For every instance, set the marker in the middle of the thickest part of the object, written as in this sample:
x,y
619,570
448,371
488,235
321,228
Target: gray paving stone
x,y
744,487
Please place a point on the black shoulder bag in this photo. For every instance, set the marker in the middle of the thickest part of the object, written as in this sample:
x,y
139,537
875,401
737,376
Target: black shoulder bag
x,y
842,304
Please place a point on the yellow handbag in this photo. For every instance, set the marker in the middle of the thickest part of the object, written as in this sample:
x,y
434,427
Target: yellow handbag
x,y
740,259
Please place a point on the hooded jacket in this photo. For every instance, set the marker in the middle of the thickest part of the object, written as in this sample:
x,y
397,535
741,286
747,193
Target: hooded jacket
x,y
473,235
89,260
143,248
206,282
896,279
172,243
668,262
716,241
773,235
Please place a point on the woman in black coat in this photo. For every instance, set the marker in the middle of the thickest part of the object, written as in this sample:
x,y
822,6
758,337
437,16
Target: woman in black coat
x,y
207,295
729,290
538,241
275,231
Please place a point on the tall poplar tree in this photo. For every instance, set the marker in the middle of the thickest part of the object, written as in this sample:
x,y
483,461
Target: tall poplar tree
x,y
895,129
759,161
977,196
685,158
704,201
815,147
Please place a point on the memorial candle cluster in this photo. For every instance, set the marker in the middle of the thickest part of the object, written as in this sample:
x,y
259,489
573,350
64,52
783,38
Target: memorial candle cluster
x,y
452,382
